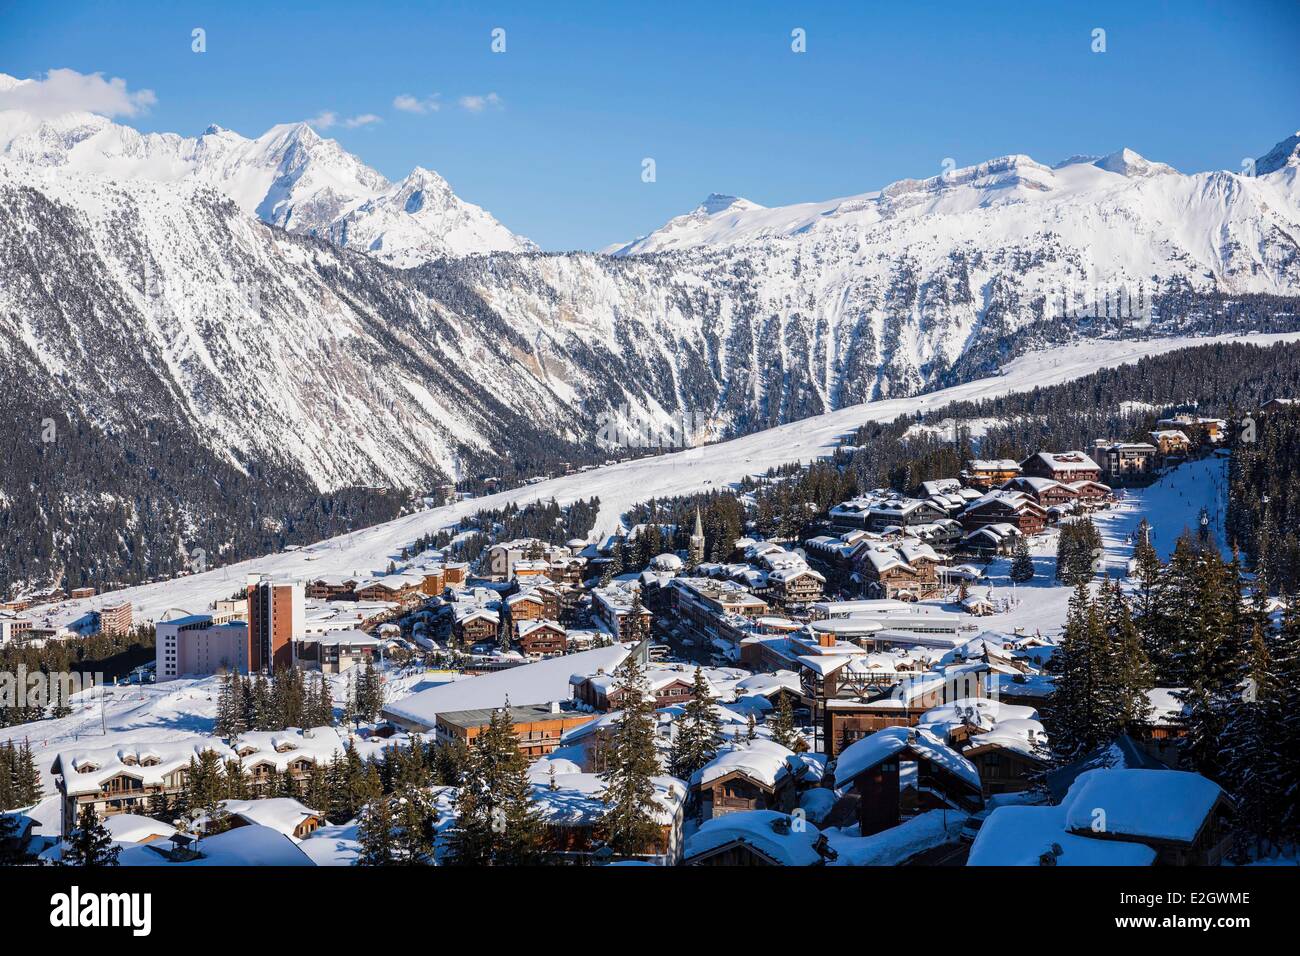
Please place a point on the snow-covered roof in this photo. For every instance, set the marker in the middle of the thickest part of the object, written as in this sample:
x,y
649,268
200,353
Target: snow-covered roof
x,y
1021,835
283,814
539,683
771,833
1142,804
87,769
862,755
761,760
243,846
577,797
1066,460
133,828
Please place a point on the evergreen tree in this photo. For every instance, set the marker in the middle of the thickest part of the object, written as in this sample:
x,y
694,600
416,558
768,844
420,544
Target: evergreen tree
x,y
1022,565
375,834
90,844
415,819
782,726
698,731
496,823
1213,655
1099,683
1251,754
630,825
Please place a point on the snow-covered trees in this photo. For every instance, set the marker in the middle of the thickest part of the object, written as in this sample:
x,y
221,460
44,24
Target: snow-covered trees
x,y
1101,674
1077,549
496,822
20,779
631,762
698,732
90,844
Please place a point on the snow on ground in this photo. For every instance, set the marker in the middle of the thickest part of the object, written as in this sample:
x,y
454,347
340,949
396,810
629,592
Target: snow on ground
x,y
1171,506
621,486
897,844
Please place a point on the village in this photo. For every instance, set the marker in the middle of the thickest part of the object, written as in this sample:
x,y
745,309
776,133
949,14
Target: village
x,y
834,699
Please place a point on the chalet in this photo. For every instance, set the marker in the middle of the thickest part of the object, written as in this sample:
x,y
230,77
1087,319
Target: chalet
x,y
1123,462
332,589
908,571
474,624
752,775
1089,493
757,838
1010,756
284,814
542,638
1005,507
1045,492
670,684
1062,466
1279,405
1183,818
991,539
872,770
529,605
985,473
124,779
900,512
795,585
391,587
853,714
1171,442
571,809
1198,429
539,727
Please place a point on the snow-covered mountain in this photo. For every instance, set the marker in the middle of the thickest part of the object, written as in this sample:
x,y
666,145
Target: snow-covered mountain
x,y
289,176
996,201
213,288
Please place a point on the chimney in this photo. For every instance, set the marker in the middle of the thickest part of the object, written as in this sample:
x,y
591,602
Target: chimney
x,y
825,640
555,706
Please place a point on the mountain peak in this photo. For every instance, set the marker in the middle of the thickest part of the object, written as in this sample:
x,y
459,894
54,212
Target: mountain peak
x,y
718,202
1284,154
1128,163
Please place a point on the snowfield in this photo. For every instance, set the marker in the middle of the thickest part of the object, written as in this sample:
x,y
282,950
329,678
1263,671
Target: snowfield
x,y
622,485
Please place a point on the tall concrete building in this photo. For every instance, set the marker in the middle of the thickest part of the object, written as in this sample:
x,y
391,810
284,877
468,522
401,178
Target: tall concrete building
x,y
276,617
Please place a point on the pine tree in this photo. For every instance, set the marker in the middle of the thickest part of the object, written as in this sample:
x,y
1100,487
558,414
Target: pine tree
x,y
630,825
1097,692
1213,655
1022,565
90,844
415,819
375,834
1251,755
698,731
783,729
496,823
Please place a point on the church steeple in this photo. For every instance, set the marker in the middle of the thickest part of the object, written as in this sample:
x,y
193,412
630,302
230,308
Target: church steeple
x,y
697,541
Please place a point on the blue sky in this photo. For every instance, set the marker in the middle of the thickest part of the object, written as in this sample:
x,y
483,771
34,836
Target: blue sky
x,y
712,92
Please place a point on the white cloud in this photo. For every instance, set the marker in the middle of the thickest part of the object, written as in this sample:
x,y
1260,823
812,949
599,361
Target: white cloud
x,y
411,104
477,104
67,91
329,118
